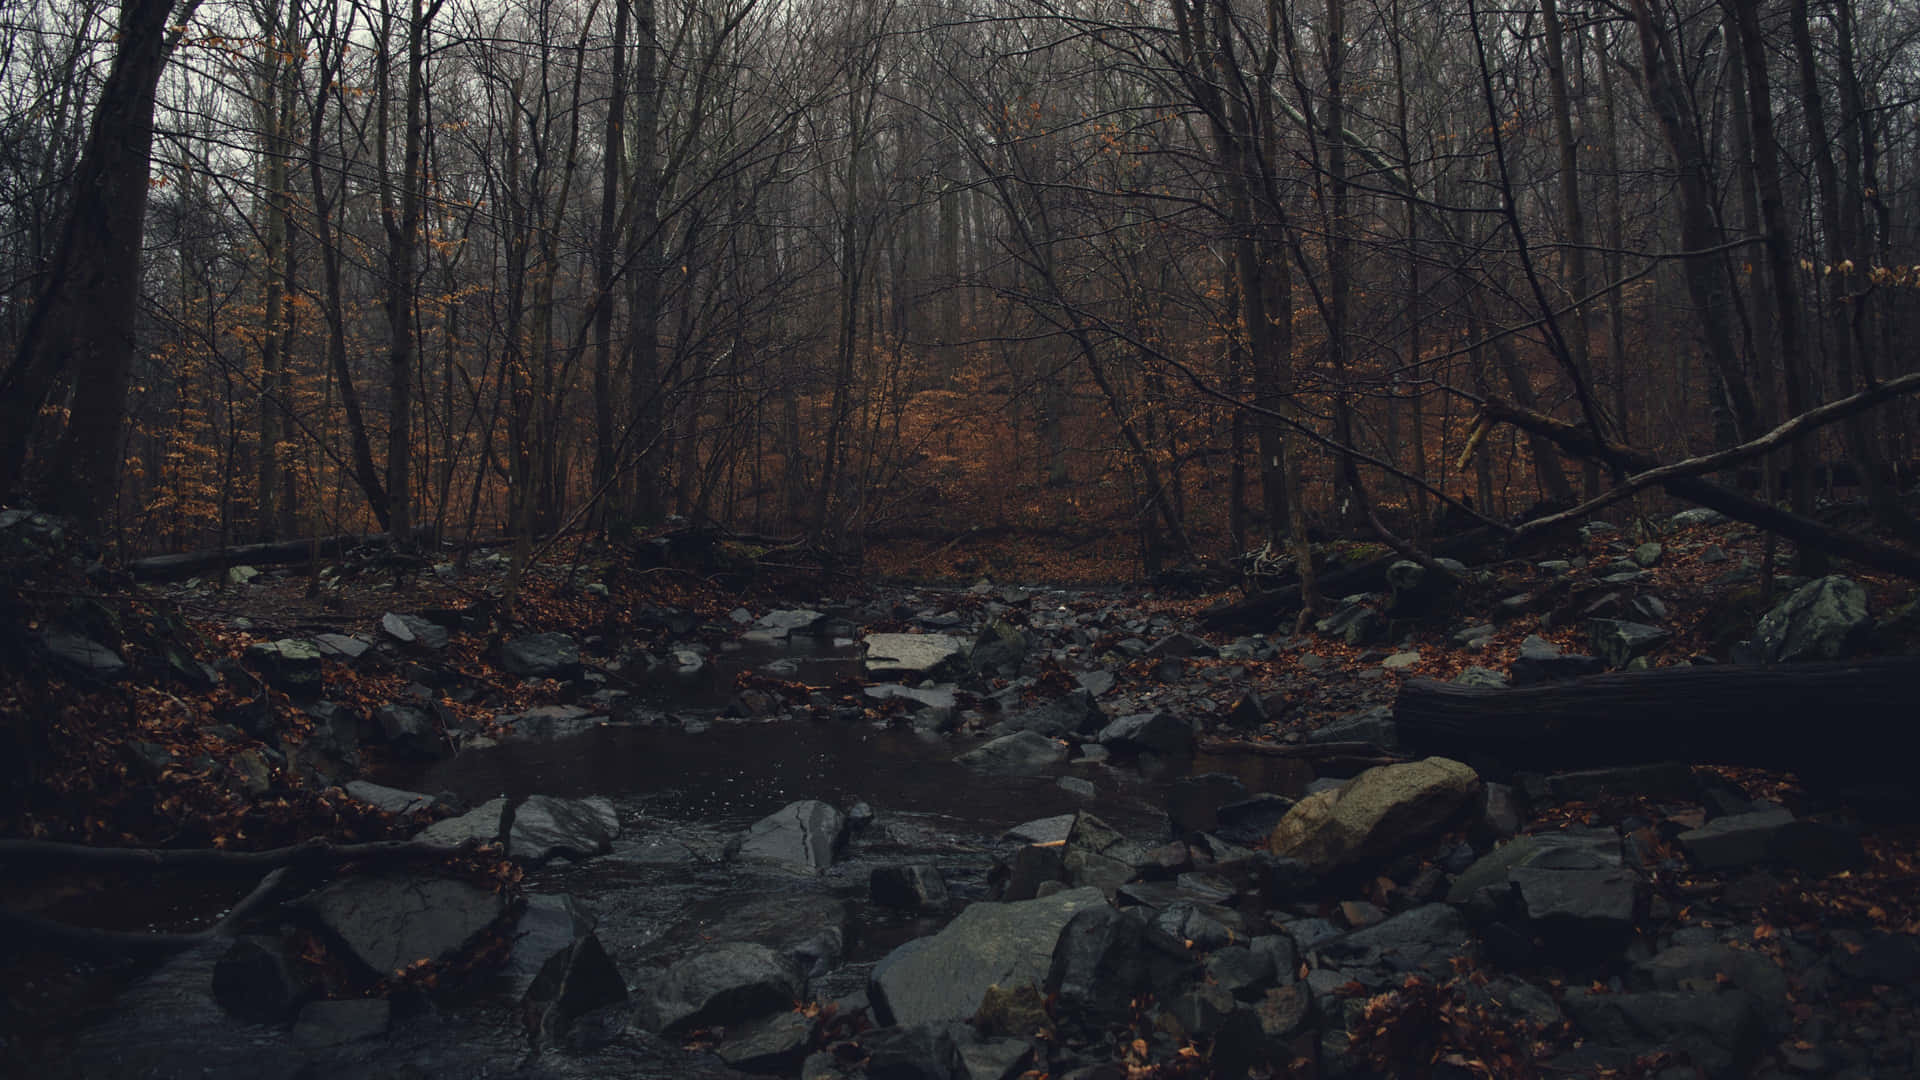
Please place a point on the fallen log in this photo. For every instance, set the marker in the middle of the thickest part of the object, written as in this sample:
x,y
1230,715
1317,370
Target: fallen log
x,y
187,564
1820,720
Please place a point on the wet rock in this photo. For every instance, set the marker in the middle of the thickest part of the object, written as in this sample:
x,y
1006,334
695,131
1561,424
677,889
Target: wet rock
x,y
1240,971
335,732
942,978
1480,678
289,664
999,649
1695,516
938,700
918,886
1259,1035
1500,810
1823,620
1022,753
484,824
385,922
1250,821
1542,661
1018,1013
147,760
1031,868
410,730
808,929
780,625
1373,725
912,1052
336,1023
1201,1011
1075,714
414,630
1402,660
545,827
1252,711
1426,938
261,980
84,656
558,970
547,722
1721,1032
1104,959
1734,841
724,984
1577,897
1078,788
1096,682
541,656
1194,802
996,1059
251,772
1709,968
1153,733
1095,855
1382,810
801,836
915,656
1355,623
1618,641
1049,830
774,1044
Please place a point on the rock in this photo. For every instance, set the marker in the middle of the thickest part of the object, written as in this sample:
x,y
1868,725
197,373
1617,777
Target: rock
x,y
1194,802
1426,938
288,664
1180,646
1419,592
545,827
1022,753
1480,678
1250,821
938,699
1075,714
147,760
414,630
1153,733
1260,1034
999,649
1734,841
1402,660
84,656
1708,968
915,656
1721,1033
1647,554
912,1052
1577,896
385,922
1374,726
261,980
485,824
942,978
1618,641
548,722
1201,1011
1354,623
724,984
1823,620
1252,711
1096,682
541,656
1051,830
996,1059
1078,788
1500,810
1541,661
801,836
780,625
1104,959
1696,516
335,1023
1382,810
1240,971
1095,855
1018,1013
917,886
343,647
773,1044
809,929
251,771
558,970
241,575
1465,638
410,730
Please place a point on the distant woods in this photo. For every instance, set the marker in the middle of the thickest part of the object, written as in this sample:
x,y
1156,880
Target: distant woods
x,y
1215,272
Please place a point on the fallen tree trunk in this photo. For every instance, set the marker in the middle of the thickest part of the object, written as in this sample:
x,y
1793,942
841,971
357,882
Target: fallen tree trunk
x,y
187,564
1820,720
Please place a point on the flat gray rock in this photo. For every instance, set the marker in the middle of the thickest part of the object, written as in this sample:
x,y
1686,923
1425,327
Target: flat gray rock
x,y
801,836
483,824
1022,753
392,800
388,921
545,827
942,978
918,656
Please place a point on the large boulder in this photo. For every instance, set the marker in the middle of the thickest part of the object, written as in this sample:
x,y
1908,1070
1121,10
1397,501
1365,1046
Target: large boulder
x,y
1074,714
1720,1032
544,656
723,985
1823,620
801,836
288,664
80,654
545,826
1105,959
1150,733
1021,753
999,649
915,656
1380,811
942,978
386,922
558,970
1619,641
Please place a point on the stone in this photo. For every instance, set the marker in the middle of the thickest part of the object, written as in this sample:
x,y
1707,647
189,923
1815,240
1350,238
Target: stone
x,y
724,984
916,887
779,625
1194,802
1022,753
343,647
1104,959
1823,620
1417,591
1736,840
1152,733
1050,830
935,699
1696,516
541,656
1707,968
1201,1011
1426,938
1402,660
1618,641
999,649
84,656
942,978
915,656
1074,714
1354,623
1481,678
545,723
1017,1013
1259,1035
1542,661
414,630
1096,682
1383,810
288,664
558,971
996,1059
1375,725
802,837
1250,821
1722,1033
1078,788
386,922
241,575
912,1052
336,1023
775,1044
1181,646
484,824
1648,554
545,827
261,980
1670,780
410,730
1240,971
1472,634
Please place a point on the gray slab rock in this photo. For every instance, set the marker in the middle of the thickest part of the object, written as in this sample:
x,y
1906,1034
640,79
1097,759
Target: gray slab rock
x,y
942,978
545,827
1823,620
915,656
343,647
1022,753
912,1052
336,1023
916,886
801,836
288,664
1722,1032
414,630
558,971
392,800
76,652
1075,714
724,984
485,824
541,656
385,922
1736,840
547,722
1150,733
1619,641
775,1044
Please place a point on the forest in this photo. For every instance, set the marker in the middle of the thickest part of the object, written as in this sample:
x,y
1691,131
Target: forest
x,y
1167,282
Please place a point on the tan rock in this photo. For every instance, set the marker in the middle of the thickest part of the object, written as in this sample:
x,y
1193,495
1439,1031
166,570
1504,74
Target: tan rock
x,y
1380,812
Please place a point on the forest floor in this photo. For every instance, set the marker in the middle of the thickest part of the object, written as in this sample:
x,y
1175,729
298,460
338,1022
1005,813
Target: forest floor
x,y
175,746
